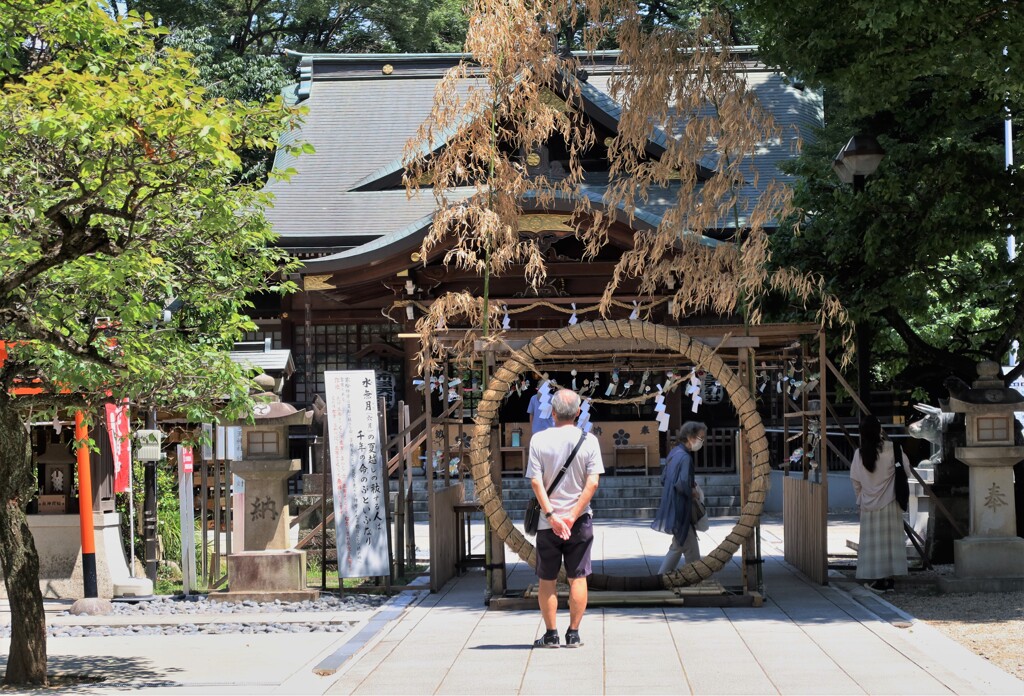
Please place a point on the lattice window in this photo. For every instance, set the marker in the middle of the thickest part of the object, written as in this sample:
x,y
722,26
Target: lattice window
x,y
260,335
334,347
263,443
993,428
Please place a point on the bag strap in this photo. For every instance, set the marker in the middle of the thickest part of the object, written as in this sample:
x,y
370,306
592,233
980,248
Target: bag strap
x,y
897,454
565,467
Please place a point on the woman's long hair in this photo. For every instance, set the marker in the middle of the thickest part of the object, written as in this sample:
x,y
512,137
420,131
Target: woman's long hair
x,y
870,441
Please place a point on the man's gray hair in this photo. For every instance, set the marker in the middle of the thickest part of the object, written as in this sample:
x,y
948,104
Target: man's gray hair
x,y
691,429
565,404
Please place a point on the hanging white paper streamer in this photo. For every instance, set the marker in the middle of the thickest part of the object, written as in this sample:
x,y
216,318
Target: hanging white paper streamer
x,y
505,321
697,401
573,319
584,419
635,314
545,399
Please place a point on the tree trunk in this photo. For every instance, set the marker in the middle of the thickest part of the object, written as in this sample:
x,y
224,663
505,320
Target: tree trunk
x,y
26,663
865,337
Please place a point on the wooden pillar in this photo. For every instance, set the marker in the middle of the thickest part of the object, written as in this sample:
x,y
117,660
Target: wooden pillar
x,y
85,513
494,551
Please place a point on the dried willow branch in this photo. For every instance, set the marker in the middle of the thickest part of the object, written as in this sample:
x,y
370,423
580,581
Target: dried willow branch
x,y
683,88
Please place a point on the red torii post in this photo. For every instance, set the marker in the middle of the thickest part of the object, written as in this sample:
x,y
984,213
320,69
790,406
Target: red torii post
x,y
88,530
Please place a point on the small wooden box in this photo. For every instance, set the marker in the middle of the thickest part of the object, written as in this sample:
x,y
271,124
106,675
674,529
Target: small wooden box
x,y
53,504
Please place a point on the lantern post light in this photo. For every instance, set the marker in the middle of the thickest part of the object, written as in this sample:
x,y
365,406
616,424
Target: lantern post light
x,y
859,159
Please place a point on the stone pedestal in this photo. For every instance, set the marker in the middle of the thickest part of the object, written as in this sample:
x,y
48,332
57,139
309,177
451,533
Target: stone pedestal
x,y
265,576
59,543
989,557
266,501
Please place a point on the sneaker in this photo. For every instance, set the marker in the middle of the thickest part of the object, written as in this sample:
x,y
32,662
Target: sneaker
x,y
548,640
572,639
879,586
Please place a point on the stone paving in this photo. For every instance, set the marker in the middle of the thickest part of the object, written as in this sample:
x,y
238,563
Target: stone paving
x,y
805,639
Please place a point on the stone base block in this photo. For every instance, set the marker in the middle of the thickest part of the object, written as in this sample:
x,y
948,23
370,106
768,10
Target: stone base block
x,y
133,587
58,540
283,596
989,557
962,585
267,571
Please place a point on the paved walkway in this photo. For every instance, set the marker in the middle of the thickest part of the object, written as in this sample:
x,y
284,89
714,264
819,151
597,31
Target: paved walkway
x,y
805,639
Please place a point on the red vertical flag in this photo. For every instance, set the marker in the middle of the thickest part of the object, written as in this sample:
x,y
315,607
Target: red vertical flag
x,y
120,445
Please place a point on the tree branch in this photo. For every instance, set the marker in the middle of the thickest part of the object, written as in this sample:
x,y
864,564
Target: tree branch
x,y
78,240
28,330
921,349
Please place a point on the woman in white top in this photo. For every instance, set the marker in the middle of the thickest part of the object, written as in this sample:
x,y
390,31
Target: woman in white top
x,y
882,551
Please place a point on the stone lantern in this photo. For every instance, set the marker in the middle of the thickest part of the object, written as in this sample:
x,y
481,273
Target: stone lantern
x,y
991,557
266,568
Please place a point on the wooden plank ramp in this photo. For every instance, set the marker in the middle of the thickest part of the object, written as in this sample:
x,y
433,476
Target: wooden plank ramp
x,y
709,593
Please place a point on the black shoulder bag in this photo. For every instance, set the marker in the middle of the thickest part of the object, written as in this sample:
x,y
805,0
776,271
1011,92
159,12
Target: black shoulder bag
x,y
532,519
901,483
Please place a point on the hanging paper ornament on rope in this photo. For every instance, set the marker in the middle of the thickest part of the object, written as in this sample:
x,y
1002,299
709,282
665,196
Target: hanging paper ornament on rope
x,y
505,321
613,385
573,373
635,314
660,411
573,319
584,420
694,390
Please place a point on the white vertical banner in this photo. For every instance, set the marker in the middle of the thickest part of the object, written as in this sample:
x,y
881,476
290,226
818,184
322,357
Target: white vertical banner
x,y
188,520
360,519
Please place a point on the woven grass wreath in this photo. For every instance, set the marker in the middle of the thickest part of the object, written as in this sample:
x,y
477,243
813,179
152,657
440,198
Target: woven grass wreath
x,y
664,337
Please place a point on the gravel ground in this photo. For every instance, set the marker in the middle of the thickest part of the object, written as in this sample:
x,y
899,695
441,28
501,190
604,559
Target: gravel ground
x,y
188,629
168,606
990,624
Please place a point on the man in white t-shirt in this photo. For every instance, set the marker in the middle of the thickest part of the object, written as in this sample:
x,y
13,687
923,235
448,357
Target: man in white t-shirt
x,y
565,532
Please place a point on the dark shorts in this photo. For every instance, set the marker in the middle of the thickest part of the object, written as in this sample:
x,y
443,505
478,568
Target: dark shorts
x,y
575,551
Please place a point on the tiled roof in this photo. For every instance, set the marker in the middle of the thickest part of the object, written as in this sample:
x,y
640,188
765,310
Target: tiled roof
x,y
271,361
359,120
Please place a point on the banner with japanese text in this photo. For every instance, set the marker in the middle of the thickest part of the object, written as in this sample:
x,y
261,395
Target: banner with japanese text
x,y
360,515
120,445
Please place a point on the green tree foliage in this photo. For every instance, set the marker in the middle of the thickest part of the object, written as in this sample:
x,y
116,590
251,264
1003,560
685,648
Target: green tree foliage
x,y
920,255
120,188
267,27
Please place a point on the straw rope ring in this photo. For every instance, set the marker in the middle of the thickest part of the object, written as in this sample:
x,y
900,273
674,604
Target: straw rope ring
x,y
665,337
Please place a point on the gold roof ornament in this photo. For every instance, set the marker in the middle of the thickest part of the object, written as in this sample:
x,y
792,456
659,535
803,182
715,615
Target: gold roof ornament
x,y
545,222
318,282
387,69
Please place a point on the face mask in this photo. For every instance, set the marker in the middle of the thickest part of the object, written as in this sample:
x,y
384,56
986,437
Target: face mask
x,y
696,444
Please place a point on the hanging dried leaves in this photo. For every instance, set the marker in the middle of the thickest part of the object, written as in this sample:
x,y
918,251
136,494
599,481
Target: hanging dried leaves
x,y
683,89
